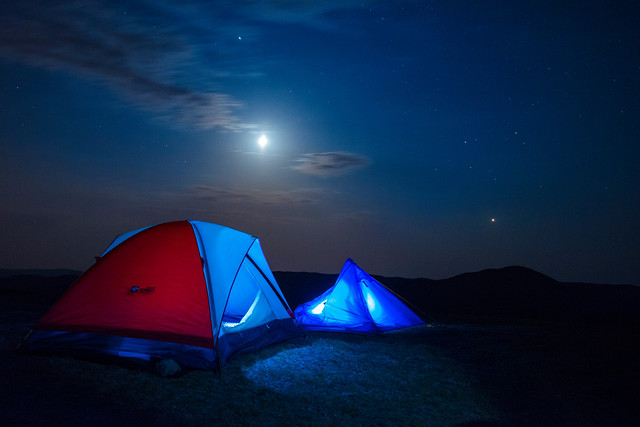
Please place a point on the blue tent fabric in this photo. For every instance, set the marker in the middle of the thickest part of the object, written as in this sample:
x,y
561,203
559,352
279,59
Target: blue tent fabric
x,y
206,295
356,303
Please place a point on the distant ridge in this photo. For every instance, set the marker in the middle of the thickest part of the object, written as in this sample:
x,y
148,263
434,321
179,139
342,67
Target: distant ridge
x,y
509,292
513,292
507,276
7,272
38,285
299,287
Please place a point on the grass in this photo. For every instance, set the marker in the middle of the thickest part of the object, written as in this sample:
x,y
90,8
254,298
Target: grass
x,y
321,380
455,373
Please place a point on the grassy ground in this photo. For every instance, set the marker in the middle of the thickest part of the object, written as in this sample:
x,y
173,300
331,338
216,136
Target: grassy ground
x,y
452,373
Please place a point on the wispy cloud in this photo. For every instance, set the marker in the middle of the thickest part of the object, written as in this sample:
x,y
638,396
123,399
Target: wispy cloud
x,y
128,53
257,197
329,163
169,58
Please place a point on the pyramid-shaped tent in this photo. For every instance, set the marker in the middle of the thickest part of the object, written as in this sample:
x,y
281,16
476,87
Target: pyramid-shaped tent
x,y
191,291
356,303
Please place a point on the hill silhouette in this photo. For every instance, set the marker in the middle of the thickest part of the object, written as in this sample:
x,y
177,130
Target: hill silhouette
x,y
53,272
509,292
513,292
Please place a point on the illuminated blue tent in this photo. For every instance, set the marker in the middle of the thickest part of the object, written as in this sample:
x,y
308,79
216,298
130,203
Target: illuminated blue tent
x,y
356,303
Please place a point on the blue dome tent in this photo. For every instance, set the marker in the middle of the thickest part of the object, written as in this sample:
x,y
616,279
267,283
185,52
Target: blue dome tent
x,y
191,291
356,303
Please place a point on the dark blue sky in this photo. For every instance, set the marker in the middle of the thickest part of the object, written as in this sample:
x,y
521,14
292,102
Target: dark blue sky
x,y
422,139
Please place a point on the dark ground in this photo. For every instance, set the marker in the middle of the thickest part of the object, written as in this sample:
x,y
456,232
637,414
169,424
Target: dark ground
x,y
507,362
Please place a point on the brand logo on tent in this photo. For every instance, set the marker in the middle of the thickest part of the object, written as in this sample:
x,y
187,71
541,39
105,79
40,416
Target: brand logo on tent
x,y
139,290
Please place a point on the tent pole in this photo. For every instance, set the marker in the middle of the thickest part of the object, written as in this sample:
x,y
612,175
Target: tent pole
x,y
282,300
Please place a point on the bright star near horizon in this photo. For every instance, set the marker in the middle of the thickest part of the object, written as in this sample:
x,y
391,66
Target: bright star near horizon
x,y
262,141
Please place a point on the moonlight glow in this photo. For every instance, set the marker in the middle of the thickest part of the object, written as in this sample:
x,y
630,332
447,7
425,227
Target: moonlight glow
x,y
262,141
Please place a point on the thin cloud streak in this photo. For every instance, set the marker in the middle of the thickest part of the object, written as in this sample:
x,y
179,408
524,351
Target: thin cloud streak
x,y
330,163
172,71
256,197
132,57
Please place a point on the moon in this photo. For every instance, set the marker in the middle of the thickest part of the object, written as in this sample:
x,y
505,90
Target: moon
x,y
263,141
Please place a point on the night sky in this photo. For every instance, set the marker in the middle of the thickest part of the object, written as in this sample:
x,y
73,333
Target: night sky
x,y
421,139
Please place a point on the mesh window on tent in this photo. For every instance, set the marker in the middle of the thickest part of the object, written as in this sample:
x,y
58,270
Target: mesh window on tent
x,y
247,306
